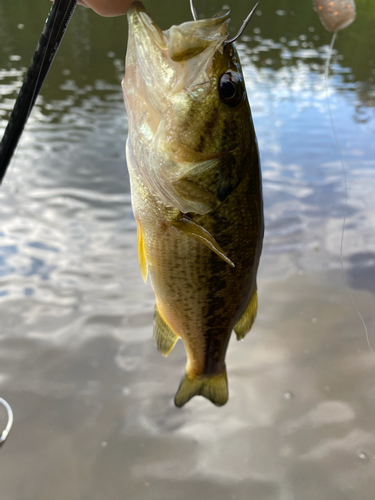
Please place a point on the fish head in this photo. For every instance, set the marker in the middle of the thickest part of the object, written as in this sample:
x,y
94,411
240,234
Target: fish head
x,y
187,105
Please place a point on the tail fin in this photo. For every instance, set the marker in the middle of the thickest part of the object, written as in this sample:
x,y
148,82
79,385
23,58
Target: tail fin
x,y
214,388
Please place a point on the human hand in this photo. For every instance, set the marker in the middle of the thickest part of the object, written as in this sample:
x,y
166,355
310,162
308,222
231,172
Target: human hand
x,y
107,8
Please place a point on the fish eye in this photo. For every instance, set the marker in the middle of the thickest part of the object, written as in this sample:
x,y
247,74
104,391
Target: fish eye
x,y
231,88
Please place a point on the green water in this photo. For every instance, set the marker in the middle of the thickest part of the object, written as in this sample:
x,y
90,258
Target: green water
x,y
90,38
92,397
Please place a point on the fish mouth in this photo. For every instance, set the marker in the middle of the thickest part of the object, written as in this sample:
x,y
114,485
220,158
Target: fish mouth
x,y
184,41
172,60
193,37
162,70
144,28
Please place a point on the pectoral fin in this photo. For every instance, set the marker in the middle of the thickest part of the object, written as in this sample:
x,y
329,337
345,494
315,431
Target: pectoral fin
x,y
246,321
214,388
208,183
141,252
165,337
197,232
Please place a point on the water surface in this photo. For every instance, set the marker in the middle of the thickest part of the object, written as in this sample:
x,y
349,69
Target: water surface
x,y
92,397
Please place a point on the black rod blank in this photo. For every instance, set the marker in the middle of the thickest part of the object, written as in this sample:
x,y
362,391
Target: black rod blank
x,y
49,42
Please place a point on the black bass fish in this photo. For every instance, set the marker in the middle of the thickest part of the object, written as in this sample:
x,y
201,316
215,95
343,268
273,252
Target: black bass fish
x,y
196,190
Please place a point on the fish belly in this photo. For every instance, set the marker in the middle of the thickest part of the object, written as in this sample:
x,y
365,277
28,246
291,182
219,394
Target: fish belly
x,y
198,295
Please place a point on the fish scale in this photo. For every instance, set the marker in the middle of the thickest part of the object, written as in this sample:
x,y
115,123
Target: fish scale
x,y
196,192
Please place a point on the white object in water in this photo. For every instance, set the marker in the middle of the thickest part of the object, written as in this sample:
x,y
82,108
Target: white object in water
x,y
6,431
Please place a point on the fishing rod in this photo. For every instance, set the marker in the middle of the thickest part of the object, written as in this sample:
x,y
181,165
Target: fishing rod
x,y
54,29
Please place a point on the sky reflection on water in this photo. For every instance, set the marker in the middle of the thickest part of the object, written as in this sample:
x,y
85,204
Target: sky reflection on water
x,y
94,416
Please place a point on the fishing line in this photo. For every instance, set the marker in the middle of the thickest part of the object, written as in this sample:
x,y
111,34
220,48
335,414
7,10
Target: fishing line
x,y
326,75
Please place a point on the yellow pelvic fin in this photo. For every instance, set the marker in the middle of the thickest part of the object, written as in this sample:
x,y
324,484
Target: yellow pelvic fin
x,y
214,388
244,324
141,252
165,337
197,232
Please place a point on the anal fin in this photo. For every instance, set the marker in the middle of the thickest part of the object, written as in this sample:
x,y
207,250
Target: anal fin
x,y
165,337
197,232
213,387
244,324
141,252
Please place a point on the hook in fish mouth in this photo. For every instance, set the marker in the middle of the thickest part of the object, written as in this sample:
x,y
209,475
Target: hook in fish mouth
x,y
240,31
